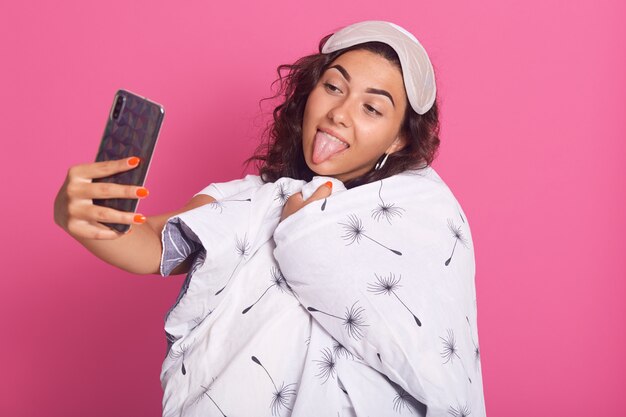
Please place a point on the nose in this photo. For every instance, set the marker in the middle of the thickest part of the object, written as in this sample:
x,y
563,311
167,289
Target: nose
x,y
340,114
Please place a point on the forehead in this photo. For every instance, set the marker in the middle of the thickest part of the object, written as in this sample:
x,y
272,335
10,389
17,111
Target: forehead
x,y
371,70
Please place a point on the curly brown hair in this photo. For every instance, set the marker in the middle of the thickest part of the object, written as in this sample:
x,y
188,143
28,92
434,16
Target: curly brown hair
x,y
280,154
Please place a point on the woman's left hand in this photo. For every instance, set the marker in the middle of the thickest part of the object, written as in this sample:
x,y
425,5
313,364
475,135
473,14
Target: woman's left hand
x,y
295,202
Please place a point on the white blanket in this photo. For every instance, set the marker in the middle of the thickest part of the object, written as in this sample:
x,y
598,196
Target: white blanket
x,y
359,304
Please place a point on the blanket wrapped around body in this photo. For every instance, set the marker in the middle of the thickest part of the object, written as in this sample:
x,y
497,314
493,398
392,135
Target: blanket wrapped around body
x,y
359,304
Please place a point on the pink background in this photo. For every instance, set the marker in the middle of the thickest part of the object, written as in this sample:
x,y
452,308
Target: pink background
x,y
533,97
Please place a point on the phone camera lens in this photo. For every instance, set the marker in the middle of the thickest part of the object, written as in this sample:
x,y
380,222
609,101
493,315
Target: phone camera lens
x,y
118,106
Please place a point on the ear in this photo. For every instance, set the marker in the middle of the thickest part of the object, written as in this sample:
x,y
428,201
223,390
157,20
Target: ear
x,y
398,144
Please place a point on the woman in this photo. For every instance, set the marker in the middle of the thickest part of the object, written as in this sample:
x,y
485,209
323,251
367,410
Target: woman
x,y
340,281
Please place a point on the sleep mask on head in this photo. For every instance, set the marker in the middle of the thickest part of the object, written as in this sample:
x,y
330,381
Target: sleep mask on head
x,y
417,70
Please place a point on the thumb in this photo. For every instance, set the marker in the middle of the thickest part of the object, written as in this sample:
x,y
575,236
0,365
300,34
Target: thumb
x,y
322,191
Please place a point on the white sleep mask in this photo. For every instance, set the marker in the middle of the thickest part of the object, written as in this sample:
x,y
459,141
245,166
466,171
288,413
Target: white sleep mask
x,y
417,70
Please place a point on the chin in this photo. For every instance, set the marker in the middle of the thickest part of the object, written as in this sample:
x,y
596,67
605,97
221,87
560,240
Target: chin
x,y
320,170
326,171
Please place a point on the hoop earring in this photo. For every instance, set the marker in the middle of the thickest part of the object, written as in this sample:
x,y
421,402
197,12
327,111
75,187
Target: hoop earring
x,y
381,162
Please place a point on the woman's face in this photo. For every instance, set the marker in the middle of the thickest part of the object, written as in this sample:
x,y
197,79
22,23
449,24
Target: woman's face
x,y
353,115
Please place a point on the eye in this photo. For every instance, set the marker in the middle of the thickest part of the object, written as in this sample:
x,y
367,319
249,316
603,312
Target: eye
x,y
332,88
372,110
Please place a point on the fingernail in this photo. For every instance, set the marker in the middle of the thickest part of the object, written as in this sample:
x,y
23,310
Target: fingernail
x,y
139,218
329,184
133,161
142,192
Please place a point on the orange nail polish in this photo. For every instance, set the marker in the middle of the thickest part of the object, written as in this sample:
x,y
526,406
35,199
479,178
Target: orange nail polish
x,y
329,184
142,192
139,218
133,161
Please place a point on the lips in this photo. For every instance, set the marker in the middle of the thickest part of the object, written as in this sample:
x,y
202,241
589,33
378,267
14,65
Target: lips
x,y
325,145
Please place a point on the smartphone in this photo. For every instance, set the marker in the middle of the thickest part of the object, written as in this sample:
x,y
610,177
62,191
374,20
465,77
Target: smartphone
x,y
132,129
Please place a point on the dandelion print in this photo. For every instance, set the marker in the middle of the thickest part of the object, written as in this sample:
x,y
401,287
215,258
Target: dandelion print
x,y
450,350
462,411
326,365
353,320
242,246
404,400
386,210
243,249
340,351
281,396
282,193
458,237
278,281
205,393
389,285
354,231
219,204
179,353
476,348
449,347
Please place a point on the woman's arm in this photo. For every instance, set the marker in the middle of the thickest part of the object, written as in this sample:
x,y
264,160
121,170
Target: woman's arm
x,y
139,250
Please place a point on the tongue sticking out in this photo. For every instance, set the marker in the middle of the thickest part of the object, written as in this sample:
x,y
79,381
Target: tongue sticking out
x,y
324,147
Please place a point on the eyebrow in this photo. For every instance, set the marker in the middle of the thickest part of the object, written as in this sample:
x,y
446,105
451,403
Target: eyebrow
x,y
370,90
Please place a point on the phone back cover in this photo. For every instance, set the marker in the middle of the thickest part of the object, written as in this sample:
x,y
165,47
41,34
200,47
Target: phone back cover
x,y
133,133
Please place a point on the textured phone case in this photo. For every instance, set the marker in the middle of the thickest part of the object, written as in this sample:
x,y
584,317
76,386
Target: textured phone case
x,y
133,133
